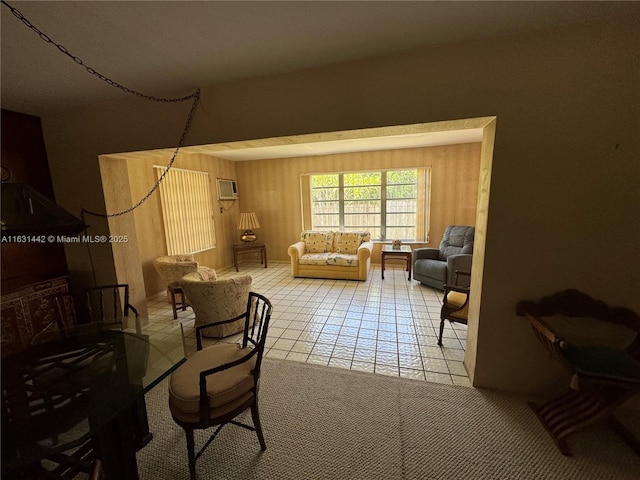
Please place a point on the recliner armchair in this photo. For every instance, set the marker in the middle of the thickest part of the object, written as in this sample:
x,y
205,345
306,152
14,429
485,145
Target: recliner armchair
x,y
436,267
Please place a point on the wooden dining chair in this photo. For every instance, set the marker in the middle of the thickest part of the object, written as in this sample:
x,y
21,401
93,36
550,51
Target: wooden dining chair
x,y
97,472
47,392
219,382
603,374
455,303
109,304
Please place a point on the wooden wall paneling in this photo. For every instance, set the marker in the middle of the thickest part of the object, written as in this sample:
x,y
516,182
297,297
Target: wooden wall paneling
x,y
148,217
272,188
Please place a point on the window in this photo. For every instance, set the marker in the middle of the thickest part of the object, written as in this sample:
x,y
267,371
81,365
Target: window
x,y
187,212
386,203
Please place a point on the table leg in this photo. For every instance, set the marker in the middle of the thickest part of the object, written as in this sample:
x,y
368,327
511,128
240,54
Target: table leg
x,y
383,266
115,445
409,268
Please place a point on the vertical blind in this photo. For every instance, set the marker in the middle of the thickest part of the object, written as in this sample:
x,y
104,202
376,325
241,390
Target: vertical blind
x,y
187,212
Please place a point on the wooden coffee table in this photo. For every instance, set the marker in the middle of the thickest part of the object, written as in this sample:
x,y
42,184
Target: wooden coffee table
x,y
403,253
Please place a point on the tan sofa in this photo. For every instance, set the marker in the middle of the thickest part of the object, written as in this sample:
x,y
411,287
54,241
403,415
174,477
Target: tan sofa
x,y
328,254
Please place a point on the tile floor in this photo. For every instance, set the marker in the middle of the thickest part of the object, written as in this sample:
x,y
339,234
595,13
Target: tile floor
x,y
385,326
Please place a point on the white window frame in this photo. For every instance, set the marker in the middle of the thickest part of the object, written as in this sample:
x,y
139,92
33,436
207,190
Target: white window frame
x,y
421,223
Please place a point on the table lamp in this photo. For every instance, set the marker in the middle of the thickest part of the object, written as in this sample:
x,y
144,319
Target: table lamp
x,y
247,222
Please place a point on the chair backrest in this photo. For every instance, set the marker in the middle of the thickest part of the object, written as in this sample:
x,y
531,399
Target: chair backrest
x,y
47,387
109,304
215,300
456,239
259,310
172,268
256,317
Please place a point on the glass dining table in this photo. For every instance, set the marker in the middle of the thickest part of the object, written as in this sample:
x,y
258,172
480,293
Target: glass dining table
x,y
79,395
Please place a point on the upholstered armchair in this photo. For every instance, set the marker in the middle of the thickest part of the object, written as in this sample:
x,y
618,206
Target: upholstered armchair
x,y
436,267
173,267
213,300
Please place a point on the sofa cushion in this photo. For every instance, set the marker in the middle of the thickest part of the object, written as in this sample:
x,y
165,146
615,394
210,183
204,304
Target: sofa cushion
x,y
329,258
317,241
348,242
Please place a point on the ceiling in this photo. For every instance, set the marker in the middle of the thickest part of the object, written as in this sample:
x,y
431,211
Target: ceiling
x,y
166,48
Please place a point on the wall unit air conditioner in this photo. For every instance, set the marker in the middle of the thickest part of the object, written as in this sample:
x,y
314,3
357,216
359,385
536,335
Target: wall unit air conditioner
x,y
227,189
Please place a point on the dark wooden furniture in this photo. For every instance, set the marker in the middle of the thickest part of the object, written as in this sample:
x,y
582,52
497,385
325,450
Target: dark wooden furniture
x,y
603,375
218,383
402,253
97,472
109,304
242,248
455,303
24,159
33,311
81,390
177,298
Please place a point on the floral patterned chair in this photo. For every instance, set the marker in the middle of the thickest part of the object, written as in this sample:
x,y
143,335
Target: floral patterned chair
x,y
172,268
213,300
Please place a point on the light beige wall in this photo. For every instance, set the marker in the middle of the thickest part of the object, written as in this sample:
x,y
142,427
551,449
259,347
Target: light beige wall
x,y
271,188
564,185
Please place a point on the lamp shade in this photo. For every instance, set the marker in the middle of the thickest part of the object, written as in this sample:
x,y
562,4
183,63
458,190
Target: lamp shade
x,y
248,221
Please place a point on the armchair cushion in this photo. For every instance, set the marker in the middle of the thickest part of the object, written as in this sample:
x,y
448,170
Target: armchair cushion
x,y
223,388
456,300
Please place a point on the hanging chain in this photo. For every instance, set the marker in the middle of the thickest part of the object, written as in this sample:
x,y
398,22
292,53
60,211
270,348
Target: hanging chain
x,y
18,14
195,96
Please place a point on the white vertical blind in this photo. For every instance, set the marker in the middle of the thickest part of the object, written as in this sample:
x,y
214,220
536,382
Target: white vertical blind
x,y
187,211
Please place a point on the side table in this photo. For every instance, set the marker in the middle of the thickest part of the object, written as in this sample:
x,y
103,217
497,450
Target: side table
x,y
242,248
404,253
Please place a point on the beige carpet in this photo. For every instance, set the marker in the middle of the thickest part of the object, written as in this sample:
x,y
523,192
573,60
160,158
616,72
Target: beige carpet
x,y
334,424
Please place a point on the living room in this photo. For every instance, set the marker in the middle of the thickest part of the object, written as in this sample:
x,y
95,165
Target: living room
x,y
564,170
265,185
547,179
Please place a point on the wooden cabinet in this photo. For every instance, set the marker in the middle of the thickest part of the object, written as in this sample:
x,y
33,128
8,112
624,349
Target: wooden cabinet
x,y
24,159
34,311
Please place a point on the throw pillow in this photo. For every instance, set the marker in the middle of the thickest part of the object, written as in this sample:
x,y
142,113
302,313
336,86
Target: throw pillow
x,y
315,242
348,242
